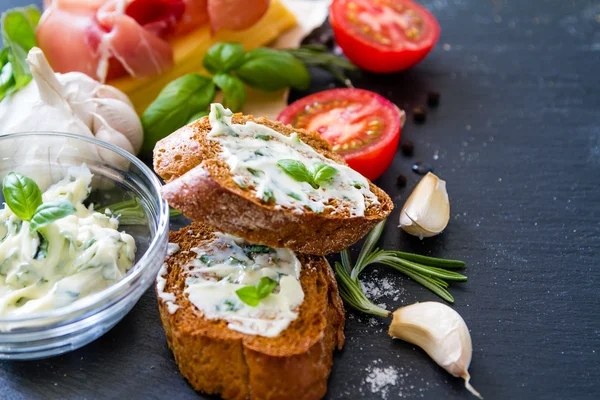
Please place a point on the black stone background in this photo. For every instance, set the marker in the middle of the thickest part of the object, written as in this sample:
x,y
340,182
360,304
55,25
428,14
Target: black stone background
x,y
517,139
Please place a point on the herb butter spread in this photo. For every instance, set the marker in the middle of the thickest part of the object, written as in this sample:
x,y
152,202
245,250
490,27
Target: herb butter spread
x,y
64,261
227,264
286,170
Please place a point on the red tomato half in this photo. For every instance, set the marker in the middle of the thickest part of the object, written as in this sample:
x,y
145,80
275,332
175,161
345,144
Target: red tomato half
x,y
383,35
362,126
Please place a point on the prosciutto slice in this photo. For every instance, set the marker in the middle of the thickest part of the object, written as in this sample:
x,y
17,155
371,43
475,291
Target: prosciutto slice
x,y
109,38
105,39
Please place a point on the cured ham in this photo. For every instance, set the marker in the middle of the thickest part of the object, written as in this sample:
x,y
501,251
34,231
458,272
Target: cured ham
x,y
106,39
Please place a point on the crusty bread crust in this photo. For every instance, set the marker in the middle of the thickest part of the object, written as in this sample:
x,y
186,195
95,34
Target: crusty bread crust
x,y
200,185
216,360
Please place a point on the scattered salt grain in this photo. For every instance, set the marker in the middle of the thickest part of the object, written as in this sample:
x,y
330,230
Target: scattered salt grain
x,y
381,379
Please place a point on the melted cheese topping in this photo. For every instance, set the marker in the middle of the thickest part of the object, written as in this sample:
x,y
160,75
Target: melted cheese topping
x,y
68,260
228,264
252,151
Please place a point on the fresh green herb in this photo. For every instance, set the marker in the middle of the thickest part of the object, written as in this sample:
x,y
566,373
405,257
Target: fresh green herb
x,y
262,137
428,271
89,243
175,105
222,57
254,172
252,295
42,251
269,70
21,194
230,305
205,260
322,173
49,212
24,197
259,153
318,56
319,173
234,93
297,170
18,35
130,212
268,195
186,99
257,249
295,196
235,261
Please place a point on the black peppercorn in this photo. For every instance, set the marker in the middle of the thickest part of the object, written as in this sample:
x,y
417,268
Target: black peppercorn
x,y
433,99
419,115
407,147
401,180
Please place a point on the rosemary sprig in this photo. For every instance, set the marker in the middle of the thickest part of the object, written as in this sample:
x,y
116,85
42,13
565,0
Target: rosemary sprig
x,y
430,272
316,55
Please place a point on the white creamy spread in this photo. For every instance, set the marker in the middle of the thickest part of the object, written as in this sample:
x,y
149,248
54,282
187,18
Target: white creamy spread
x,y
161,281
253,151
228,264
68,260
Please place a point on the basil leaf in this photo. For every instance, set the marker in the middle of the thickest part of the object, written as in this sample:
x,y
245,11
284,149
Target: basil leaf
x,y
174,106
268,195
234,92
252,295
296,170
7,81
42,251
268,70
323,172
262,137
47,213
22,195
18,34
257,249
197,116
265,287
223,57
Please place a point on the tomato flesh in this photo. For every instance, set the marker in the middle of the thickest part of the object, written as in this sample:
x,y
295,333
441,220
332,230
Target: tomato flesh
x,y
383,35
362,126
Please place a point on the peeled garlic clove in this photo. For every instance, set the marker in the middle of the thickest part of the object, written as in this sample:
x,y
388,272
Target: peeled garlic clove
x,y
427,211
441,332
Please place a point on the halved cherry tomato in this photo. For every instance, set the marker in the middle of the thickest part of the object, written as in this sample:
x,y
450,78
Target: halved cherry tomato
x,y
383,35
362,126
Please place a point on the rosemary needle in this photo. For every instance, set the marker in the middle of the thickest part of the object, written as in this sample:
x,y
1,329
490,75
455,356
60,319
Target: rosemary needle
x,y
430,272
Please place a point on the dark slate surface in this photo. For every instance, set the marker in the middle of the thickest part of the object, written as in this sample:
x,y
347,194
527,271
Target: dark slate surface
x,y
517,138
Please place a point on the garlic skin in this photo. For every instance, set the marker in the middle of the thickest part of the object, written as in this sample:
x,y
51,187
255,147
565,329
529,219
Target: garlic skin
x,y
427,211
441,332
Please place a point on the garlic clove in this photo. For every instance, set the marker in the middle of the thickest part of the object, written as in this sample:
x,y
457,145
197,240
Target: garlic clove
x,y
111,92
120,117
427,211
441,332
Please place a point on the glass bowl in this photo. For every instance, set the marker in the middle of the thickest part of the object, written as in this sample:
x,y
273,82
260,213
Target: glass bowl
x,y
119,177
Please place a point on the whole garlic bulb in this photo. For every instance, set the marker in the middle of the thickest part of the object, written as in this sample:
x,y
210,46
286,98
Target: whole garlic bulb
x,y
441,332
67,103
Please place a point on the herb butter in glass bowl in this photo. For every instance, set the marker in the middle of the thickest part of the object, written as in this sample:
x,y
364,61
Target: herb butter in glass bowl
x,y
83,233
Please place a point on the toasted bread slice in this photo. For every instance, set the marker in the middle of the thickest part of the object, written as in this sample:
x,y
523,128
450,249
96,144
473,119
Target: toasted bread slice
x,y
217,360
202,186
